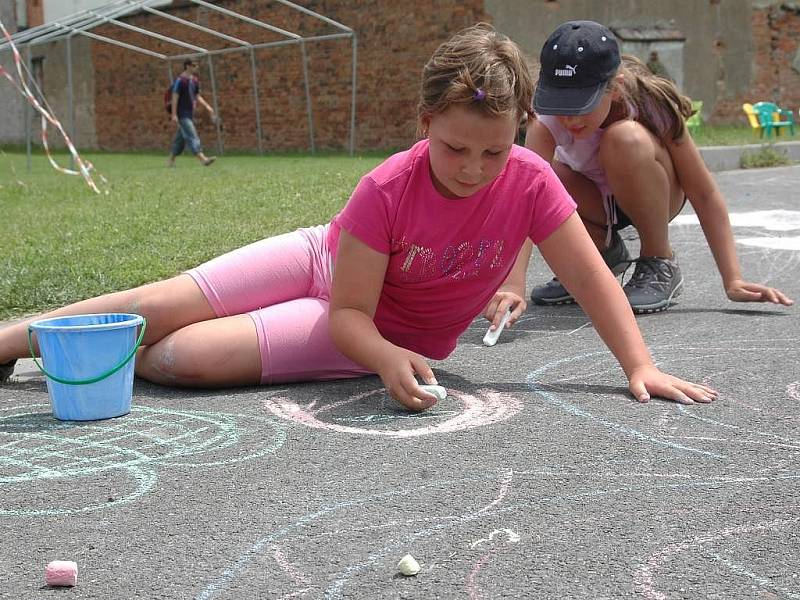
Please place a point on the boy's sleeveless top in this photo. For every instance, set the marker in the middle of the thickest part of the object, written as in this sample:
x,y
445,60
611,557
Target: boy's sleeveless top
x,y
447,257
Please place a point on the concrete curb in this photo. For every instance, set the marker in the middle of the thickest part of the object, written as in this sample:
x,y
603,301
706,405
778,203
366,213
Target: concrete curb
x,y
729,158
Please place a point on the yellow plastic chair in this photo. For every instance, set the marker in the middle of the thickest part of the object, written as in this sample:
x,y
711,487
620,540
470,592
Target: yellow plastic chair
x,y
752,118
696,120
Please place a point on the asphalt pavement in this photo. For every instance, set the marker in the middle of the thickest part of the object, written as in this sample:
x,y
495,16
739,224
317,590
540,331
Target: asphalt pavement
x,y
537,477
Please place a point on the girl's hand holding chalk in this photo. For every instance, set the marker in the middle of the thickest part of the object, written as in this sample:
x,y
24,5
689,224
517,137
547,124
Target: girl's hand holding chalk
x,y
437,390
503,311
491,337
398,369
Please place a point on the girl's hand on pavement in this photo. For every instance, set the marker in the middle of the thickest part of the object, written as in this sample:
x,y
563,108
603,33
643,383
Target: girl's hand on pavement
x,y
744,291
646,382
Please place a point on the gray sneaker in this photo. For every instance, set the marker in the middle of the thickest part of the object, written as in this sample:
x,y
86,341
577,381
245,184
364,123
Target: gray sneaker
x,y
616,255
6,370
552,293
655,283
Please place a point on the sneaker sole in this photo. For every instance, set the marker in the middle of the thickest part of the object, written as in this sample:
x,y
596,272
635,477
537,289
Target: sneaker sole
x,y
553,302
617,270
644,309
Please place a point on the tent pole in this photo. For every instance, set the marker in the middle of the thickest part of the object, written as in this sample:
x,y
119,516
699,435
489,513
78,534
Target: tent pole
x,y
353,96
220,148
255,98
71,101
28,124
308,97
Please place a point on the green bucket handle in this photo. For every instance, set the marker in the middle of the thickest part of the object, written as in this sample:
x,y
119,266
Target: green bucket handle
x,y
108,373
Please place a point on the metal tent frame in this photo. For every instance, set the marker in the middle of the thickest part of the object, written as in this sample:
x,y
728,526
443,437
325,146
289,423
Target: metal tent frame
x,y
82,22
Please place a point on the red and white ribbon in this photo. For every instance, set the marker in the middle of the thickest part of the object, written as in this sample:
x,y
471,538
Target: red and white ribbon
x,y
85,168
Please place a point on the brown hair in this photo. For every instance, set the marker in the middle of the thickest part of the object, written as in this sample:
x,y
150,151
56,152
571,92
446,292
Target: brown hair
x,y
478,67
662,108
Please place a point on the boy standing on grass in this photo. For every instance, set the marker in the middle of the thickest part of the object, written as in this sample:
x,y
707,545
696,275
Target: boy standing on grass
x,y
185,94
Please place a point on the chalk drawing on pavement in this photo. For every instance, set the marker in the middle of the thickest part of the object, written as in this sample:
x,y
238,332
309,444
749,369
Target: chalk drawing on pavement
x,y
771,220
434,522
357,414
770,440
116,460
707,545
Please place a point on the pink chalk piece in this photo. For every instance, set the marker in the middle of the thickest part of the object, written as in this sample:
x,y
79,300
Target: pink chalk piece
x,y
61,573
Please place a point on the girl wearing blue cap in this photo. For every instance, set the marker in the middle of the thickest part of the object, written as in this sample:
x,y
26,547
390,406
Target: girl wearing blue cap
x,y
616,138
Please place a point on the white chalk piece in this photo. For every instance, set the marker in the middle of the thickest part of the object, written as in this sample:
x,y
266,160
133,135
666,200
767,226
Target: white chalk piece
x,y
61,573
490,339
436,390
408,565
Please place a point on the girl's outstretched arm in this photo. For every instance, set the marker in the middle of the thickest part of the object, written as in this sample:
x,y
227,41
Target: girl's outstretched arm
x,y
574,259
357,282
707,201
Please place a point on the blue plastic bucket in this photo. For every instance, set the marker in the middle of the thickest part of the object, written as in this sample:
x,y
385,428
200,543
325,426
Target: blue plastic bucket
x,y
88,361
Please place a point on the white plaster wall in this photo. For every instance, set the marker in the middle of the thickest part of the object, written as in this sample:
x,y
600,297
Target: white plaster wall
x,y
58,9
12,128
12,106
669,53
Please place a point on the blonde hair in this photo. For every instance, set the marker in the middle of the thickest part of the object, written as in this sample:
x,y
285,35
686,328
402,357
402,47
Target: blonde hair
x,y
662,108
480,68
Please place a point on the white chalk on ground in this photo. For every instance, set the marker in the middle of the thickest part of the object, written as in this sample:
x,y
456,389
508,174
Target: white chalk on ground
x,y
408,565
490,339
61,573
436,390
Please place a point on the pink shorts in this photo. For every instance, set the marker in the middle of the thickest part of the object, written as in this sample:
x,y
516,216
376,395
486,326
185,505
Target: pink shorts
x,y
284,284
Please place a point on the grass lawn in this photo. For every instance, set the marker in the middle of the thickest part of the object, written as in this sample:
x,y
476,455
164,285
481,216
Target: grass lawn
x,y
730,135
763,152
61,242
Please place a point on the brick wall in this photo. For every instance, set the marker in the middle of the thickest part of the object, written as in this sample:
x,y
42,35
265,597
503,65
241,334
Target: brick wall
x,y
776,31
776,43
35,12
394,41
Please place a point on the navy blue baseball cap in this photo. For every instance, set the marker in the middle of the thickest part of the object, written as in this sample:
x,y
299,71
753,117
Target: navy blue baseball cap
x,y
577,62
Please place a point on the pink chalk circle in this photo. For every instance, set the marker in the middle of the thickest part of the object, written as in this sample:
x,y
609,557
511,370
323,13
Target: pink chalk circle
x,y
61,573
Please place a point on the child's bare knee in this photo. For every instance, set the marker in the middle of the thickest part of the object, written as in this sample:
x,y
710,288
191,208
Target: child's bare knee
x,y
175,360
625,142
153,301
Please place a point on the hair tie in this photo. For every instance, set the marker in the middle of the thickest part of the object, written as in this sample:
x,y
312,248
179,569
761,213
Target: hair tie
x,y
479,95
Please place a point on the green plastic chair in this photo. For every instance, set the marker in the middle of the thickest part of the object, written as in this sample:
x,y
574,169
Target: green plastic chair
x,y
773,118
696,120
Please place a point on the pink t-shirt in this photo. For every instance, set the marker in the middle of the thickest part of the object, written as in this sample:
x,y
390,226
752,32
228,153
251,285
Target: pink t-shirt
x,y
447,257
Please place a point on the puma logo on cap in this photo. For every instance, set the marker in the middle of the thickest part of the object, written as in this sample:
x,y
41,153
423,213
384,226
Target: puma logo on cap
x,y
567,71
